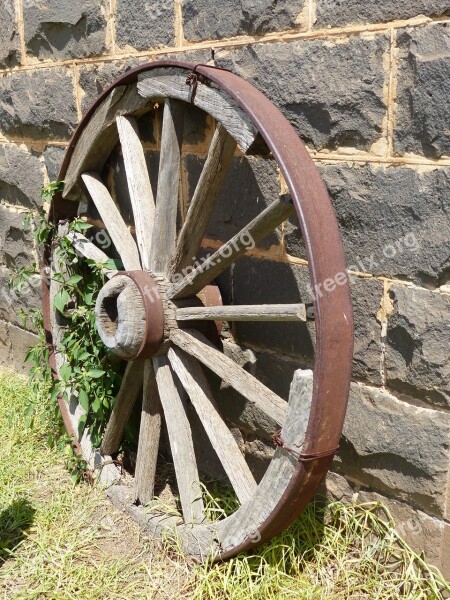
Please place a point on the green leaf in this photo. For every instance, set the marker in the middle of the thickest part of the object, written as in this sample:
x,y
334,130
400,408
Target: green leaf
x,y
96,405
95,373
61,300
83,400
82,425
65,372
74,280
114,264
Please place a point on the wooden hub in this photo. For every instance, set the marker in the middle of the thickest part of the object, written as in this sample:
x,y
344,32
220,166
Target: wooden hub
x,y
130,315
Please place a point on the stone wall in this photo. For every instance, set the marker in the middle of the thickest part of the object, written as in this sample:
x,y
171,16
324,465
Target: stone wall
x,y
367,86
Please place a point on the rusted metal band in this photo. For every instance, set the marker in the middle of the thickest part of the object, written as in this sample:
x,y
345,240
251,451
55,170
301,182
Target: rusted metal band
x,y
154,313
193,78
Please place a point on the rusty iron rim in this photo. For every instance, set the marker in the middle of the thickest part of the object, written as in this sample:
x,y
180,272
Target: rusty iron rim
x,y
326,260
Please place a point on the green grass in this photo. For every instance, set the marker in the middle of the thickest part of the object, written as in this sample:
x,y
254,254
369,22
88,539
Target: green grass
x,y
60,541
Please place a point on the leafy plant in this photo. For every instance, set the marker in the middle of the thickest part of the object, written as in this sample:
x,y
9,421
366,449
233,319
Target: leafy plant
x,y
88,370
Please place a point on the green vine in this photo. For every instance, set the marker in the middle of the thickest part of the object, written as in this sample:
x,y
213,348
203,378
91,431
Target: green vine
x,y
89,370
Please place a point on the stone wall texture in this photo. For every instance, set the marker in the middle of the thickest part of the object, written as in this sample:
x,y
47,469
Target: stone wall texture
x,y
367,87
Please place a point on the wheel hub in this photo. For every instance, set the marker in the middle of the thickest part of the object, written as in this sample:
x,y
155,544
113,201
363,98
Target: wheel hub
x,y
130,315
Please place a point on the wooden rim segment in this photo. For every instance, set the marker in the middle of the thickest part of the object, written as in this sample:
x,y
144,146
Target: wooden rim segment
x,y
172,372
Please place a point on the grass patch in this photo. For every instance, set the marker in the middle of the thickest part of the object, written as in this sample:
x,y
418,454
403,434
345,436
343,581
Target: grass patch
x,y
59,541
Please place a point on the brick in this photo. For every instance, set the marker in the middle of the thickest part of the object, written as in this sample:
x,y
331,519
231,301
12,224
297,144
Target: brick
x,y
63,29
38,104
13,303
336,13
141,25
16,245
366,298
417,345
254,17
93,79
251,184
5,346
423,107
21,177
387,228
401,449
9,36
333,93
53,157
21,342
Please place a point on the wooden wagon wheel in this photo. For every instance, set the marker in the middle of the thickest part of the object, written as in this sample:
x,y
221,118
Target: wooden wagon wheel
x,y
150,315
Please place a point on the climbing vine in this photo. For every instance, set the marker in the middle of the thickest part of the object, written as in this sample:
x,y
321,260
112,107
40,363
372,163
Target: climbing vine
x,y
88,370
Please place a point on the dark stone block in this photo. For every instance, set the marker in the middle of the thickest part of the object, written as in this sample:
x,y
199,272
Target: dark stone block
x,y
142,25
335,13
9,36
333,93
63,29
387,228
423,96
397,448
14,303
251,184
96,78
366,298
16,245
21,177
38,104
417,345
53,156
254,17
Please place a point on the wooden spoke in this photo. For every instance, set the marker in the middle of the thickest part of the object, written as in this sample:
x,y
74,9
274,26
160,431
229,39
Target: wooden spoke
x,y
194,382
120,236
195,344
139,185
211,179
149,436
250,235
263,312
87,249
129,390
181,444
164,233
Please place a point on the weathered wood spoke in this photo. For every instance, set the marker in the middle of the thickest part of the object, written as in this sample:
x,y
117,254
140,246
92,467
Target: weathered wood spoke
x,y
194,382
139,185
250,235
164,233
181,444
195,344
129,391
149,437
87,249
200,209
120,236
263,312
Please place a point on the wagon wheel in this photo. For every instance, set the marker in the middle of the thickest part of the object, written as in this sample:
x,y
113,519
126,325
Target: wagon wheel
x,y
151,313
